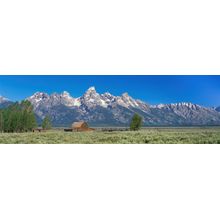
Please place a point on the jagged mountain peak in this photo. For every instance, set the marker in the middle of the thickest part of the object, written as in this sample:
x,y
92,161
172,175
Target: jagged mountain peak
x,y
127,101
91,90
90,94
108,95
92,99
38,93
38,96
65,93
125,94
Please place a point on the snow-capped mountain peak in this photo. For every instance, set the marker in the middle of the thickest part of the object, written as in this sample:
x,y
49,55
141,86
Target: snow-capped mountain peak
x,y
38,97
40,94
91,98
108,98
68,100
125,95
65,93
3,99
91,90
127,101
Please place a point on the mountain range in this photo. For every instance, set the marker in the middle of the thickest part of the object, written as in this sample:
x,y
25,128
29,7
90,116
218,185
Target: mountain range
x,y
109,110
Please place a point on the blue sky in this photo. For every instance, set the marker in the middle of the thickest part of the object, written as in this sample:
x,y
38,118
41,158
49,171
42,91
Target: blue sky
x,y
203,90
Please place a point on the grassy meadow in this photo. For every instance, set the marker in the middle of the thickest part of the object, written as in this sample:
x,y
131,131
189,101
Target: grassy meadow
x,y
145,136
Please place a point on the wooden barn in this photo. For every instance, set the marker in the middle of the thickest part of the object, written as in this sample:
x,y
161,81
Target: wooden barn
x,y
38,130
81,126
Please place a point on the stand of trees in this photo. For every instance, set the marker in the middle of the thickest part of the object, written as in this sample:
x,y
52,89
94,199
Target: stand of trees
x,y
18,117
46,124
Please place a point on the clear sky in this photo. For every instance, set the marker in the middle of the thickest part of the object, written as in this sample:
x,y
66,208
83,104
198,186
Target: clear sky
x,y
203,90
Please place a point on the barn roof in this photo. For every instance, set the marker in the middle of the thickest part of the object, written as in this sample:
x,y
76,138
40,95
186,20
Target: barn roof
x,y
78,124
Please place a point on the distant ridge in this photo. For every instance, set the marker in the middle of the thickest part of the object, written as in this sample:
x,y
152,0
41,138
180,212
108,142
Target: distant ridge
x,y
4,102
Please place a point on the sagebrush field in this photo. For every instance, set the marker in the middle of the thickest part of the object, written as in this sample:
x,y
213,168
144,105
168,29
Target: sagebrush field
x,y
144,136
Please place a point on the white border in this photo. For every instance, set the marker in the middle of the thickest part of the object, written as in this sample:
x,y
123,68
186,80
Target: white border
x,y
116,37
109,182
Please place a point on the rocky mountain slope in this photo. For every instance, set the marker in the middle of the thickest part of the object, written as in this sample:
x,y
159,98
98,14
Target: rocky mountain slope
x,y
4,102
107,109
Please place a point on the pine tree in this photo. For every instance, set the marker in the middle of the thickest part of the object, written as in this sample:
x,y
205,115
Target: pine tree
x,y
46,124
136,122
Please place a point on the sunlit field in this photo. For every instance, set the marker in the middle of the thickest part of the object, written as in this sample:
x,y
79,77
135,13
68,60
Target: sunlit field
x,y
144,136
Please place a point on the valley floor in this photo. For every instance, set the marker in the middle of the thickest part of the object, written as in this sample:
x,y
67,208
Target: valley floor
x,y
145,136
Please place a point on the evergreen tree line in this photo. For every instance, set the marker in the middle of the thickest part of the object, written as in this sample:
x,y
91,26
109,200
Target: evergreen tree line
x,y
18,117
